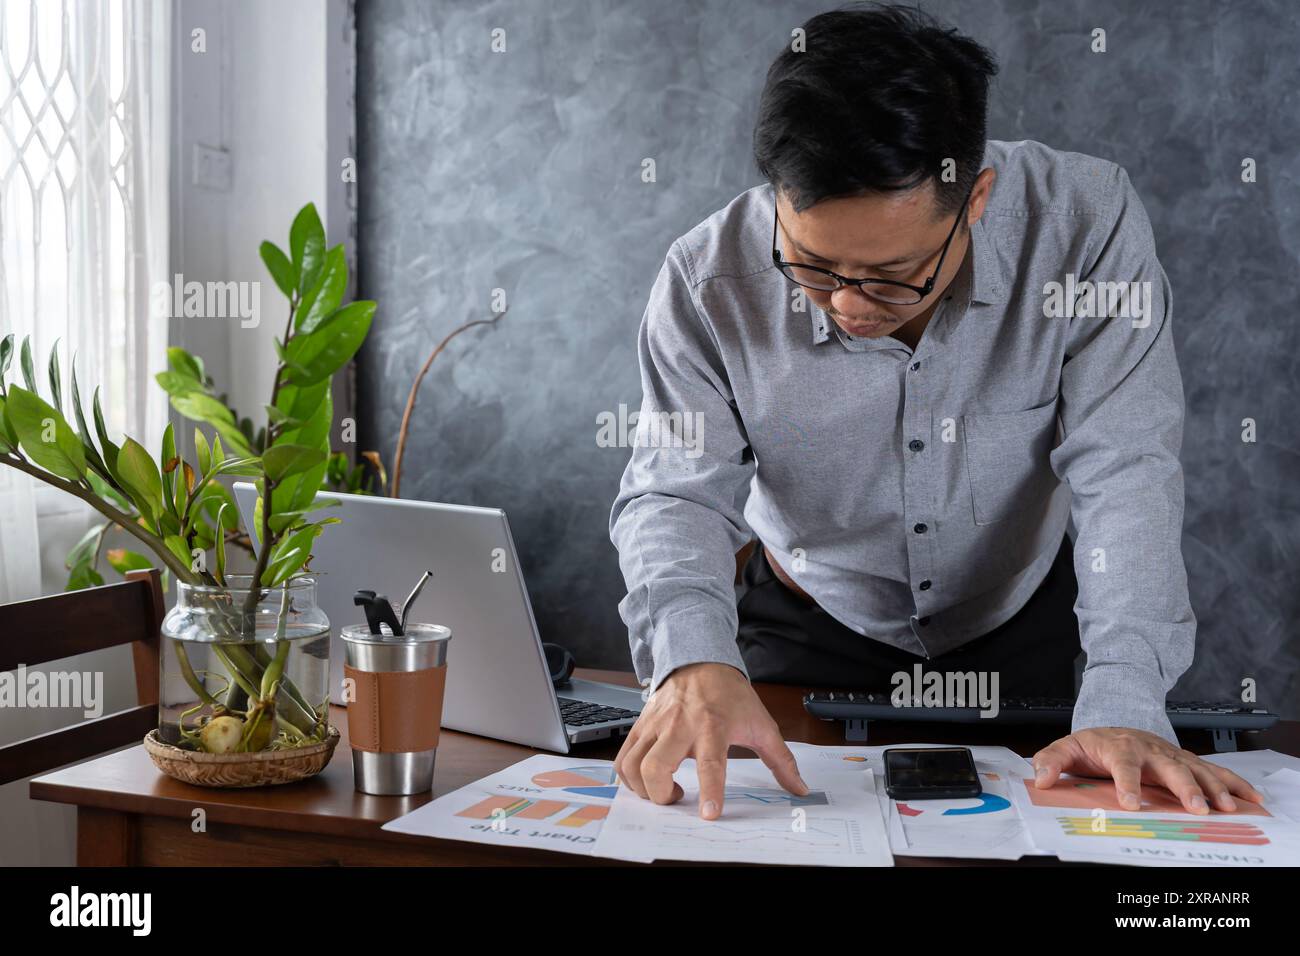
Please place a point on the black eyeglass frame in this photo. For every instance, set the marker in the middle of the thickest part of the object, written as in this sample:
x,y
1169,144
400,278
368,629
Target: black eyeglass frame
x,y
841,281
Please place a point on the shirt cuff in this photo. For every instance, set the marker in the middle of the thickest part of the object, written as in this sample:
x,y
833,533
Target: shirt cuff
x,y
689,637
1123,695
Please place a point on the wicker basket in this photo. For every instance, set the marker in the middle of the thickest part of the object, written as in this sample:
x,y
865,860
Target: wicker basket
x,y
260,769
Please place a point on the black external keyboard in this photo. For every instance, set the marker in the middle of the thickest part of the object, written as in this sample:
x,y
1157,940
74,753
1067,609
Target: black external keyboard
x,y
581,713
856,709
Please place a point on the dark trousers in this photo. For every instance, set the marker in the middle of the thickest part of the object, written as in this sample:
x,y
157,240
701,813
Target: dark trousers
x,y
786,640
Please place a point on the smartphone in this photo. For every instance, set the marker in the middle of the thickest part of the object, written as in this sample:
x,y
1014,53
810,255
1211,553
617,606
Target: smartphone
x,y
931,773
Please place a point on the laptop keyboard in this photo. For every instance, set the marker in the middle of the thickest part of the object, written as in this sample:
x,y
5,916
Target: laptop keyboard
x,y
581,713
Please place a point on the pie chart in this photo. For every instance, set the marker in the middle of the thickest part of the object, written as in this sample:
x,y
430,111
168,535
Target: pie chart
x,y
587,781
988,803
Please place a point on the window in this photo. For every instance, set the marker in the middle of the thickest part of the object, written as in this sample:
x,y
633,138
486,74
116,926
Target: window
x,y
84,201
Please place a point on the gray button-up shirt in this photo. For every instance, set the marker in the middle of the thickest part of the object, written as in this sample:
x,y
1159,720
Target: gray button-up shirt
x,y
1040,390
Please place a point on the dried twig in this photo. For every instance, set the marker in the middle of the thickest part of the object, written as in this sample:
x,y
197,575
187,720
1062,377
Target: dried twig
x,y
410,399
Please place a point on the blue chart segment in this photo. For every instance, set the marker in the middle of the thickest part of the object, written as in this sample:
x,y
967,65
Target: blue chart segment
x,y
770,795
587,781
989,803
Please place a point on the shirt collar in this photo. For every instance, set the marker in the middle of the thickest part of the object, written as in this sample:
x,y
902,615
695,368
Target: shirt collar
x,y
988,282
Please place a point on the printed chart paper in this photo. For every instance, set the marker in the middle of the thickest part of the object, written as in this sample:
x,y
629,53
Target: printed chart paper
x,y
545,802
838,823
1080,819
986,827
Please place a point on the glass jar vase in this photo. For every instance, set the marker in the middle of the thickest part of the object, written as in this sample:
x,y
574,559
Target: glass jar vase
x,y
242,674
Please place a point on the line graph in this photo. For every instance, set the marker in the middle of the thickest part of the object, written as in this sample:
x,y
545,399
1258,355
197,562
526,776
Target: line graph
x,y
774,795
832,836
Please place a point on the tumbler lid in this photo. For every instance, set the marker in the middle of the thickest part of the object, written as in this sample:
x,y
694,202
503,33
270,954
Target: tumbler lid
x,y
415,633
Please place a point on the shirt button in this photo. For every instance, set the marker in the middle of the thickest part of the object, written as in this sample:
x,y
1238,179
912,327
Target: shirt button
x,y
915,366
916,444
923,620
919,527
924,585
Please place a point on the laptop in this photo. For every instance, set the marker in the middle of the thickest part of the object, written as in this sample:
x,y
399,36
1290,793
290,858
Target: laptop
x,y
498,684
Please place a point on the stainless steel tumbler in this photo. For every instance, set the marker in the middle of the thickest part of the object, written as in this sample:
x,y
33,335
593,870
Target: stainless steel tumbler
x,y
394,699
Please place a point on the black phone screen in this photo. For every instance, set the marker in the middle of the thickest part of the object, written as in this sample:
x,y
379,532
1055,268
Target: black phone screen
x,y
931,769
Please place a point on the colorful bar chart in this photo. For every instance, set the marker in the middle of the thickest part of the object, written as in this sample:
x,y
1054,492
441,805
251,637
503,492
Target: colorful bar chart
x,y
1153,828
574,814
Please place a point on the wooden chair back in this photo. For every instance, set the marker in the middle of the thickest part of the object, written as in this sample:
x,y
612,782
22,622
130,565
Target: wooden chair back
x,y
51,628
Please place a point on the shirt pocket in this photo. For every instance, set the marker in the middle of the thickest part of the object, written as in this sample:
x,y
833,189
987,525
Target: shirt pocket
x,y
1007,460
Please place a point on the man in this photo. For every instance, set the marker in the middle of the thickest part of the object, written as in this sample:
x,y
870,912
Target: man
x,y
863,365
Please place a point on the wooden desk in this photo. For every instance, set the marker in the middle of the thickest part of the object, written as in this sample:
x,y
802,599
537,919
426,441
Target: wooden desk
x,y
130,814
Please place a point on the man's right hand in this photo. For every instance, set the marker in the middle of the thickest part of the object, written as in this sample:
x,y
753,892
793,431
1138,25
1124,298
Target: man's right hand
x,y
699,711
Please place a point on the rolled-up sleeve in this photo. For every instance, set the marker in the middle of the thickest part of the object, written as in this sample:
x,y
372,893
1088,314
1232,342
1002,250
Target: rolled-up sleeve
x,y
678,520
1122,422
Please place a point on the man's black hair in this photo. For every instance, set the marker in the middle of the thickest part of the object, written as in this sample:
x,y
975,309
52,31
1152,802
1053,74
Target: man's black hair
x,y
880,98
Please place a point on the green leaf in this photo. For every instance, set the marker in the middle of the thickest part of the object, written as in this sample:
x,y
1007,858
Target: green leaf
x,y
56,378
110,450
281,461
242,467
122,560
301,404
34,421
168,523
321,299
29,369
169,461
177,546
184,484
6,356
297,492
8,437
283,354
281,269
332,345
87,438
203,535
202,451
306,246
221,545
204,408
83,576
109,493
139,476
287,519
183,363
291,554
212,499
338,468
282,523
178,383
85,549
277,417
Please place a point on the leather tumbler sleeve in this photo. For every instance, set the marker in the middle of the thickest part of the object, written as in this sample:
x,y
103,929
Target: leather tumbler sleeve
x,y
395,711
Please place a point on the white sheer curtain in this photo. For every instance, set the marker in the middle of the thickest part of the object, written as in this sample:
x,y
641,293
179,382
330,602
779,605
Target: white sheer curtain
x,y
84,90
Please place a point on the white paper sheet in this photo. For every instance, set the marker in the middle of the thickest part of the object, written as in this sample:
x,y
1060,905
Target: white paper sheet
x,y
838,823
1079,819
545,802
986,827
570,805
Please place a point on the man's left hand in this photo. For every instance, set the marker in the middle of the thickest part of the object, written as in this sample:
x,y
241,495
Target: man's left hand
x,y
1133,757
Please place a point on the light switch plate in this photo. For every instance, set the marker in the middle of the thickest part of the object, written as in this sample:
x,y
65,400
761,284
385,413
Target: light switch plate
x,y
211,167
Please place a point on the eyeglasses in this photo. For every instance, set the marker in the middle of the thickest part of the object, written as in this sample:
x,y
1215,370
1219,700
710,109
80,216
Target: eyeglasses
x,y
885,290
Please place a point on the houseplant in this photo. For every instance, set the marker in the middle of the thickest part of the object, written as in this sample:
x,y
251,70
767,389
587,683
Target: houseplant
x,y
244,696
